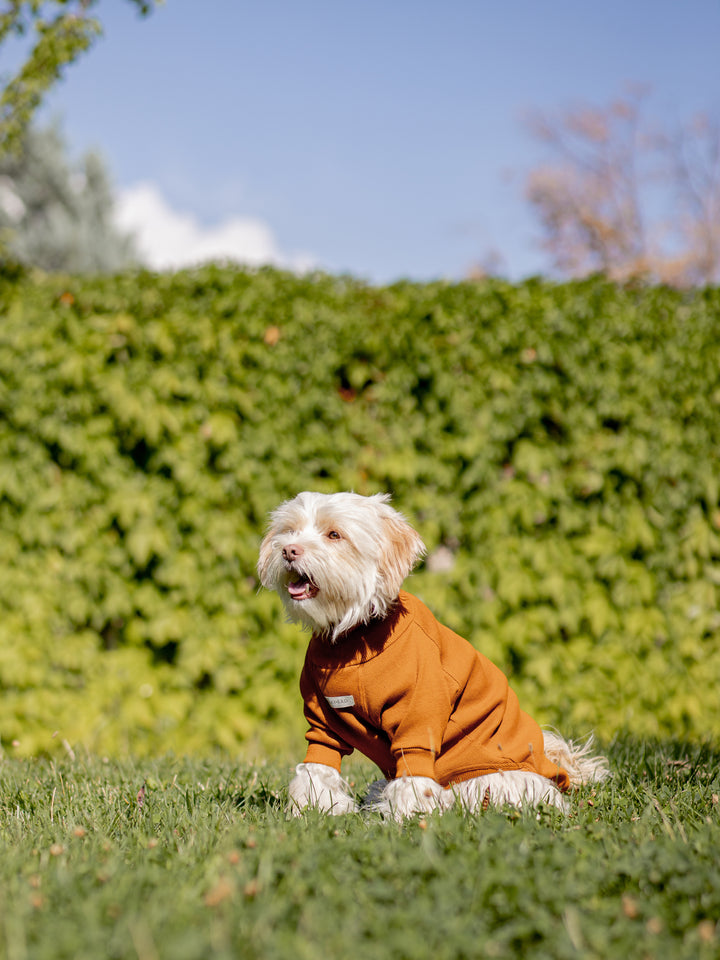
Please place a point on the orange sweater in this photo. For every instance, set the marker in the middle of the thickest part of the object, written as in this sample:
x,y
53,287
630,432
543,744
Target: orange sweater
x,y
418,700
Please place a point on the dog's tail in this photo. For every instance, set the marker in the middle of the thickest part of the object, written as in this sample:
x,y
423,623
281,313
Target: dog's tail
x,y
578,759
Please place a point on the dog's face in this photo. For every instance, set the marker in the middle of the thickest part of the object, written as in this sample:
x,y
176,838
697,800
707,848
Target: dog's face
x,y
337,560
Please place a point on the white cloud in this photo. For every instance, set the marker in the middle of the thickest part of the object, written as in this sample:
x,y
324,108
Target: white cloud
x,y
168,239
10,202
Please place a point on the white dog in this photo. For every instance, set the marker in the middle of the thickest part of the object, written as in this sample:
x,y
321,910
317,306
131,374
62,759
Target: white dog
x,y
383,676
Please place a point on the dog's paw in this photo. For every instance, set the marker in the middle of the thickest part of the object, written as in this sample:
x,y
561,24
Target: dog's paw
x,y
513,788
409,795
317,785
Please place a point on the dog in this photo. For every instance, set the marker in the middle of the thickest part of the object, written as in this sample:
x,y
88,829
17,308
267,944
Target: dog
x,y
383,676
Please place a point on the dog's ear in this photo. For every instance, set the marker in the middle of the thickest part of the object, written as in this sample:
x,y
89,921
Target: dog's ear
x,y
266,552
402,547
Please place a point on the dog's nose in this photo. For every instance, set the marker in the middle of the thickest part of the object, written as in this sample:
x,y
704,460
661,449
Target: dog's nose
x,y
293,551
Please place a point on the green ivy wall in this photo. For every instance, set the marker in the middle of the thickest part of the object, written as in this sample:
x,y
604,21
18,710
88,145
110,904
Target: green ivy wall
x,y
557,446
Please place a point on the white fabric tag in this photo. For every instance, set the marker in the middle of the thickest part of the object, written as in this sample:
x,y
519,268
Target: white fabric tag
x,y
341,703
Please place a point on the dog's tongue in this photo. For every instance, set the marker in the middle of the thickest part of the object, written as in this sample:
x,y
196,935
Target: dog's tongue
x,y
302,589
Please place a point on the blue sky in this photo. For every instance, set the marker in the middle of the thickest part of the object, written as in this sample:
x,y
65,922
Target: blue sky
x,y
381,138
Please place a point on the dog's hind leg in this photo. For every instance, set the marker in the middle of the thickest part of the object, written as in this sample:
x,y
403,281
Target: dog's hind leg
x,y
513,788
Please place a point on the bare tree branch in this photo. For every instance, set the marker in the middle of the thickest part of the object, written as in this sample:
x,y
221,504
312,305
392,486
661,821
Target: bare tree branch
x,y
620,198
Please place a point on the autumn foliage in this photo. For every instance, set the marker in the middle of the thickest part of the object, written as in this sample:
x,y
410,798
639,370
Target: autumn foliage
x,y
627,198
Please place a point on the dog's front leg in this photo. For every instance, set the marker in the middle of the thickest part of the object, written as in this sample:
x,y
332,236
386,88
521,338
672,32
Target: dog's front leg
x,y
408,795
317,785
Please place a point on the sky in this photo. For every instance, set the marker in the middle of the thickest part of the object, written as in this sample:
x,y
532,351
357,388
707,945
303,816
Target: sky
x,y
381,138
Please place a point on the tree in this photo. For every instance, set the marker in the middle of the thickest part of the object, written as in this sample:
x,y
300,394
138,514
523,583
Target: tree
x,y
63,30
622,198
57,215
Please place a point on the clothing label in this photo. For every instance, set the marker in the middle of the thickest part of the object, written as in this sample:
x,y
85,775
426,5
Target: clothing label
x,y
341,703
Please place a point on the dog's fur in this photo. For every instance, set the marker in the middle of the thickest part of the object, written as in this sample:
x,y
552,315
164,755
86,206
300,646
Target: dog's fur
x,y
338,561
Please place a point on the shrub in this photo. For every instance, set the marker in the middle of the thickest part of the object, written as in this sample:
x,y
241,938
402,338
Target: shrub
x,y
558,442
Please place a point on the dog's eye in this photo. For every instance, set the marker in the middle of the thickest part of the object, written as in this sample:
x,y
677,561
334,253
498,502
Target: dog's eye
x,y
334,535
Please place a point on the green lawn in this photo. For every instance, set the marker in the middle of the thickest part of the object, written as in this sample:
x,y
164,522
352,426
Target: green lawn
x,y
196,859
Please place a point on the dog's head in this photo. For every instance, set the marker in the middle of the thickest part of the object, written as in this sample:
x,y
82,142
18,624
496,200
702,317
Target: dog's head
x,y
337,560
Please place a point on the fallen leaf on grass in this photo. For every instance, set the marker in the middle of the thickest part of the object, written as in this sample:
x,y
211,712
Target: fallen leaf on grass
x,y
222,891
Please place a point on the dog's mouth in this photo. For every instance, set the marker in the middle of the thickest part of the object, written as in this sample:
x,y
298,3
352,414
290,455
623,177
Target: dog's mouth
x,y
302,588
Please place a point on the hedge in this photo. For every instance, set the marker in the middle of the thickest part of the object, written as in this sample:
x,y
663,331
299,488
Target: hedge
x,y
556,445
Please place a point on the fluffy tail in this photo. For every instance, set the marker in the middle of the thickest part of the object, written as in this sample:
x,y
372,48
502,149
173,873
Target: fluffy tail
x,y
578,759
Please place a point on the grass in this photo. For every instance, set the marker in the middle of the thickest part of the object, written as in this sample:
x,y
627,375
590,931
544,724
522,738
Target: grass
x,y
176,858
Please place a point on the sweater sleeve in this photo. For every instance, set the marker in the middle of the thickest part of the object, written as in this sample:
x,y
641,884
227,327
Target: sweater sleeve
x,y
416,715
324,745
